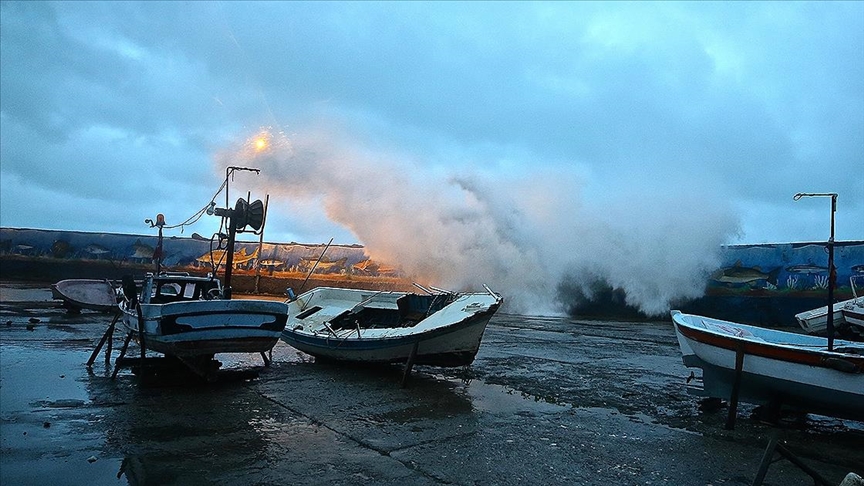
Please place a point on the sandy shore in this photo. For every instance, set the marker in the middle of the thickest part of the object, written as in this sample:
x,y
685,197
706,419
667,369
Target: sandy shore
x,y
548,401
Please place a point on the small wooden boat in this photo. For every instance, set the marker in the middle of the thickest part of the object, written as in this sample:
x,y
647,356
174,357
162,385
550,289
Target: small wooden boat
x,y
847,318
79,293
440,329
853,315
186,316
778,368
815,321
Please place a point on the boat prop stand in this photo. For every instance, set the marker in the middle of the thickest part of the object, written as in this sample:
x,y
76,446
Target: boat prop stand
x,y
106,338
736,387
409,364
774,445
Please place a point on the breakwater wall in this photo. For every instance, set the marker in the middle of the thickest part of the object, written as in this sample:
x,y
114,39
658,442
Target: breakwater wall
x,y
765,284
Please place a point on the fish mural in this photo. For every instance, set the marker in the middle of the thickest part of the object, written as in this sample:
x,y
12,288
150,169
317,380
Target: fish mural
x,y
808,269
325,265
219,257
738,274
96,251
142,251
60,248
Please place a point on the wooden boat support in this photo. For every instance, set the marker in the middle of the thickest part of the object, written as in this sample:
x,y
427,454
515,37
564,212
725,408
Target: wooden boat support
x,y
774,446
736,387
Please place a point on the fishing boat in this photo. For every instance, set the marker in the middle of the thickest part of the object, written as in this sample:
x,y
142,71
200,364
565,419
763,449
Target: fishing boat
x,y
434,328
815,321
193,317
186,316
853,315
847,318
777,368
80,293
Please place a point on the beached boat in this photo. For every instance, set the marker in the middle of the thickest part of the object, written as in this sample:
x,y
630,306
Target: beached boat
x,y
437,328
847,319
853,315
186,316
79,293
777,368
815,321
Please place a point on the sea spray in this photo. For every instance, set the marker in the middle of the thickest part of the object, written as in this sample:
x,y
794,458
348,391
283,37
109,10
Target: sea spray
x,y
535,237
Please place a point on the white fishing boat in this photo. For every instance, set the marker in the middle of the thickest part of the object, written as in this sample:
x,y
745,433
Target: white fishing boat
x,y
436,328
815,321
847,318
81,293
778,368
853,315
186,316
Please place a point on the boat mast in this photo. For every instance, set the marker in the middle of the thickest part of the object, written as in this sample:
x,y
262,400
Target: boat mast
x,y
237,218
832,271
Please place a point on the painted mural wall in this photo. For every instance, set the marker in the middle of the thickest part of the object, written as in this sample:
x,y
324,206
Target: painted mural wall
x,y
185,253
792,269
759,284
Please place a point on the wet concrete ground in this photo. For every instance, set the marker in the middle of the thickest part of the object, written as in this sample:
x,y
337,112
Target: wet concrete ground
x,y
548,401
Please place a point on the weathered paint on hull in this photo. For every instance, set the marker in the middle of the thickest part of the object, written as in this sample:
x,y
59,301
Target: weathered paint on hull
x,y
189,329
455,345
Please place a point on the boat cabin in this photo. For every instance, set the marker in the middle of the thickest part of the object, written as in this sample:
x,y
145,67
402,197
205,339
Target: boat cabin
x,y
177,287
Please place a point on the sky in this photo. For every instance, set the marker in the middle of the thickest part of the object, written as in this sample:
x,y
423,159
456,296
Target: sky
x,y
521,145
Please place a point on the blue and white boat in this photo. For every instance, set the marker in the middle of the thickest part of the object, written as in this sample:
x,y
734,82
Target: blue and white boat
x,y
187,316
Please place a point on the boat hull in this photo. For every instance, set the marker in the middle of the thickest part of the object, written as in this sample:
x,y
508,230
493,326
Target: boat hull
x,y
794,370
455,345
815,321
389,327
92,294
189,329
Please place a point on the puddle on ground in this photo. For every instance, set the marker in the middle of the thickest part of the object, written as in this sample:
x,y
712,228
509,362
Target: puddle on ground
x,y
41,377
23,293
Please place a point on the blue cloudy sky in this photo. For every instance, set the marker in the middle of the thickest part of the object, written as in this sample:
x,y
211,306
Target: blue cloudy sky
x,y
507,134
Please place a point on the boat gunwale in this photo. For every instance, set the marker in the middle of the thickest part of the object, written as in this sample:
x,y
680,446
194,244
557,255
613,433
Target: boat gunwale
x,y
766,349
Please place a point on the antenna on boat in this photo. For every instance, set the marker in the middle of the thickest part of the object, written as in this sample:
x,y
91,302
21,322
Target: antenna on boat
x,y
314,267
832,271
243,215
157,253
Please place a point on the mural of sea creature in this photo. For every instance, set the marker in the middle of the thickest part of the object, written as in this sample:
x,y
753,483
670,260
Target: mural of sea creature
x,y
142,251
271,264
96,251
324,266
371,267
24,249
809,269
739,275
218,256
60,248
858,269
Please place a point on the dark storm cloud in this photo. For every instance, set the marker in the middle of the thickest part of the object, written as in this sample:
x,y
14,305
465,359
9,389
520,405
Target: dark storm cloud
x,y
582,110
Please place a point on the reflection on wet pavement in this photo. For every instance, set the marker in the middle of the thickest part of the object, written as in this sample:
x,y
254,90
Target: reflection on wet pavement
x,y
548,401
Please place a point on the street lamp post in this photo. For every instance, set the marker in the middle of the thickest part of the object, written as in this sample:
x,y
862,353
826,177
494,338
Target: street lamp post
x,y
832,272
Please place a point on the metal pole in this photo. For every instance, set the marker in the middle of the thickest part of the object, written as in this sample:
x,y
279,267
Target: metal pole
x,y
832,271
229,263
832,274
